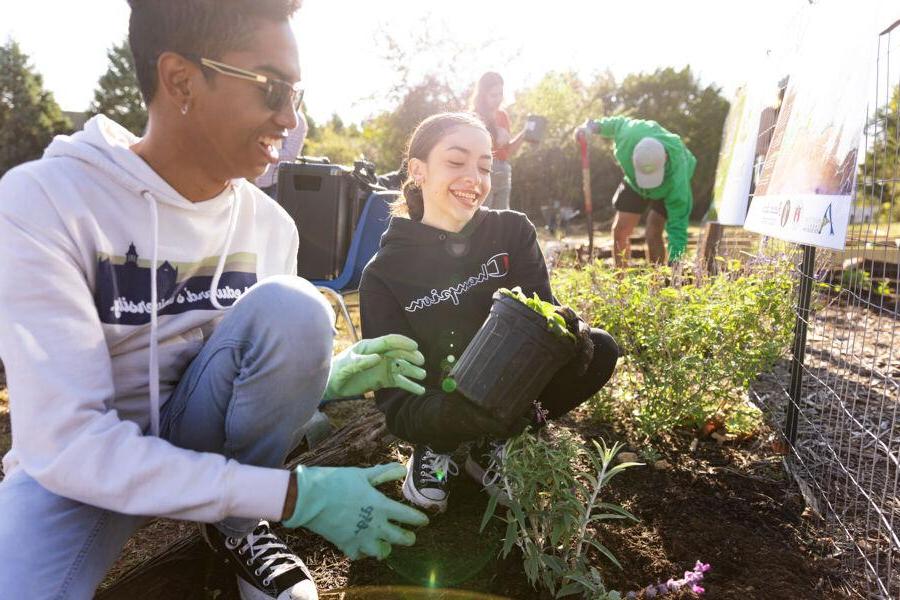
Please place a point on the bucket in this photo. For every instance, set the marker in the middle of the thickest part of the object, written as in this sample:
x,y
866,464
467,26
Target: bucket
x,y
535,127
510,360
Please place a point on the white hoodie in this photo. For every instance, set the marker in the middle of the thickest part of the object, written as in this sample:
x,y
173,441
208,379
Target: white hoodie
x,y
79,231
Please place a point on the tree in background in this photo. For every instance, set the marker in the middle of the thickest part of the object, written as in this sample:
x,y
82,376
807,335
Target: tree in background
x,y
29,116
551,171
432,73
676,100
383,138
118,95
339,143
879,176
388,134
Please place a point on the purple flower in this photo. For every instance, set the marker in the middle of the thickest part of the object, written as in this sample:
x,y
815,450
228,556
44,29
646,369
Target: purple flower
x,y
691,578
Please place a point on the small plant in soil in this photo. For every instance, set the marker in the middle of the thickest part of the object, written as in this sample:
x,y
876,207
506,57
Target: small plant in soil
x,y
555,489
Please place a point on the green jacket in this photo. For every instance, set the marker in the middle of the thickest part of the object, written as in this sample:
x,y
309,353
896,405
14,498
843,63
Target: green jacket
x,y
675,190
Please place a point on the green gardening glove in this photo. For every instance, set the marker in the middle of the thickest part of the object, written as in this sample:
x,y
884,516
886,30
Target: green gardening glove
x,y
342,505
369,365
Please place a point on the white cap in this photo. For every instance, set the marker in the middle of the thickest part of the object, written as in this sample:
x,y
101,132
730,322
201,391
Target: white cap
x,y
649,160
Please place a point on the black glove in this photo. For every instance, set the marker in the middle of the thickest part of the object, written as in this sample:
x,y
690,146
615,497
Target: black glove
x,y
584,346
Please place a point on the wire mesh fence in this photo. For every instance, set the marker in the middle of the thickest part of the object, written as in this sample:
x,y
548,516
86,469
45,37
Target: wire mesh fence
x,y
838,402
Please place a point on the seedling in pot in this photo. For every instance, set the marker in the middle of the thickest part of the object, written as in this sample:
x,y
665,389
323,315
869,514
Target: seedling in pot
x,y
555,322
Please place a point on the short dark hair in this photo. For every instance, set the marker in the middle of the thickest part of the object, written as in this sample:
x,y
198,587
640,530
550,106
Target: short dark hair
x,y
206,28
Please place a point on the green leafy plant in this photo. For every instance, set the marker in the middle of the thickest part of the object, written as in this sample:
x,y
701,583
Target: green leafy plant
x,y
856,279
554,487
859,280
883,288
692,344
555,322
649,454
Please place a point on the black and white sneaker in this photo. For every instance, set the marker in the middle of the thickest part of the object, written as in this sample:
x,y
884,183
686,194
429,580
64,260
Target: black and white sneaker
x,y
485,465
265,566
427,478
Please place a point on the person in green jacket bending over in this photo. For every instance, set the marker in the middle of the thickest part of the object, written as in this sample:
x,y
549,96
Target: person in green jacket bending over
x,y
657,169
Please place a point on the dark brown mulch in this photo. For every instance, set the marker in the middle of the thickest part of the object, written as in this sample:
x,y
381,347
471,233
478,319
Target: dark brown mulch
x,y
729,505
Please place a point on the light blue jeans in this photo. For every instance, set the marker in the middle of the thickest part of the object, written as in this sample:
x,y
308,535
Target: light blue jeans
x,y
246,395
501,185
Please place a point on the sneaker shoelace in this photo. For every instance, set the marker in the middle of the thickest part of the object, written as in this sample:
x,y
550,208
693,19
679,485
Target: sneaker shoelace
x,y
263,546
437,468
494,471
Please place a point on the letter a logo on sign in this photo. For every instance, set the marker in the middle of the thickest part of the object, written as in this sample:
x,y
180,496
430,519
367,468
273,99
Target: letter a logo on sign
x,y
826,220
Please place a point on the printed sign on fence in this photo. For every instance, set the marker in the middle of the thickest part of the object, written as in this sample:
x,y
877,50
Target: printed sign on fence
x,y
805,190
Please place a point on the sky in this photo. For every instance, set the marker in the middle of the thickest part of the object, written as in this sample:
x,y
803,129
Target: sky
x,y
342,47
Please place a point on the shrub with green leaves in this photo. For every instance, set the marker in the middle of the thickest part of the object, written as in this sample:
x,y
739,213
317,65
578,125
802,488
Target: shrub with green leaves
x,y
692,345
555,486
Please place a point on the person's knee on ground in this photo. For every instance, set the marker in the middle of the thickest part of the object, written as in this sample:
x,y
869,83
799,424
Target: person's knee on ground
x,y
656,247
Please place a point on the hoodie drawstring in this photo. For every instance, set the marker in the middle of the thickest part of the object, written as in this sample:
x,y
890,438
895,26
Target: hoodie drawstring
x,y
154,327
232,225
154,301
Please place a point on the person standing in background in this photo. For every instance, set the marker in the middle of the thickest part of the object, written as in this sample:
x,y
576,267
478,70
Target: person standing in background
x,y
656,174
486,104
290,149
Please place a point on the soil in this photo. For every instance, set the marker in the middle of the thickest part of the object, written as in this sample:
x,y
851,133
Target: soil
x,y
728,504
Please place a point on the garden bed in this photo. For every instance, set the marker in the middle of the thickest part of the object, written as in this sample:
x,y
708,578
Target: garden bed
x,y
729,505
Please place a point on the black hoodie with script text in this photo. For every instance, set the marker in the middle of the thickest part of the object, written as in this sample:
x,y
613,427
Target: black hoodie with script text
x,y
435,287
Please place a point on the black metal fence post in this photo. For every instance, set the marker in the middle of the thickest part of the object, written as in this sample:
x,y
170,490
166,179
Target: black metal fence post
x,y
799,348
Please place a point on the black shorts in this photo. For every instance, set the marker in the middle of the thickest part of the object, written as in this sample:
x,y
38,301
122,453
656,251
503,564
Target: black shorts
x,y
627,200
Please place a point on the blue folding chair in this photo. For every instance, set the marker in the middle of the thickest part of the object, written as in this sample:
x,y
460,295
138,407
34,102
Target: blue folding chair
x,y
373,221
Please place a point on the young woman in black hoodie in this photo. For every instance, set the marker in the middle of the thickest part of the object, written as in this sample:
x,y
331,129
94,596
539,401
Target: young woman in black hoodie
x,y
440,261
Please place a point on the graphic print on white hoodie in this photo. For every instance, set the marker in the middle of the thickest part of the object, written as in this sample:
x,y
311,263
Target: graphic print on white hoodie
x,y
84,225
123,286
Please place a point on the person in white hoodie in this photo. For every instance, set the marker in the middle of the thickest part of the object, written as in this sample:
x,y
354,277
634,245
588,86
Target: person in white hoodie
x,y
161,354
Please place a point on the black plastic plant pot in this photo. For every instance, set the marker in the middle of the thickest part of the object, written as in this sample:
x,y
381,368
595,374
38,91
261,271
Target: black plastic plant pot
x,y
510,360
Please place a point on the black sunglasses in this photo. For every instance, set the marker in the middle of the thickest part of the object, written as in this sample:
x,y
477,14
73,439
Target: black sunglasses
x,y
279,93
